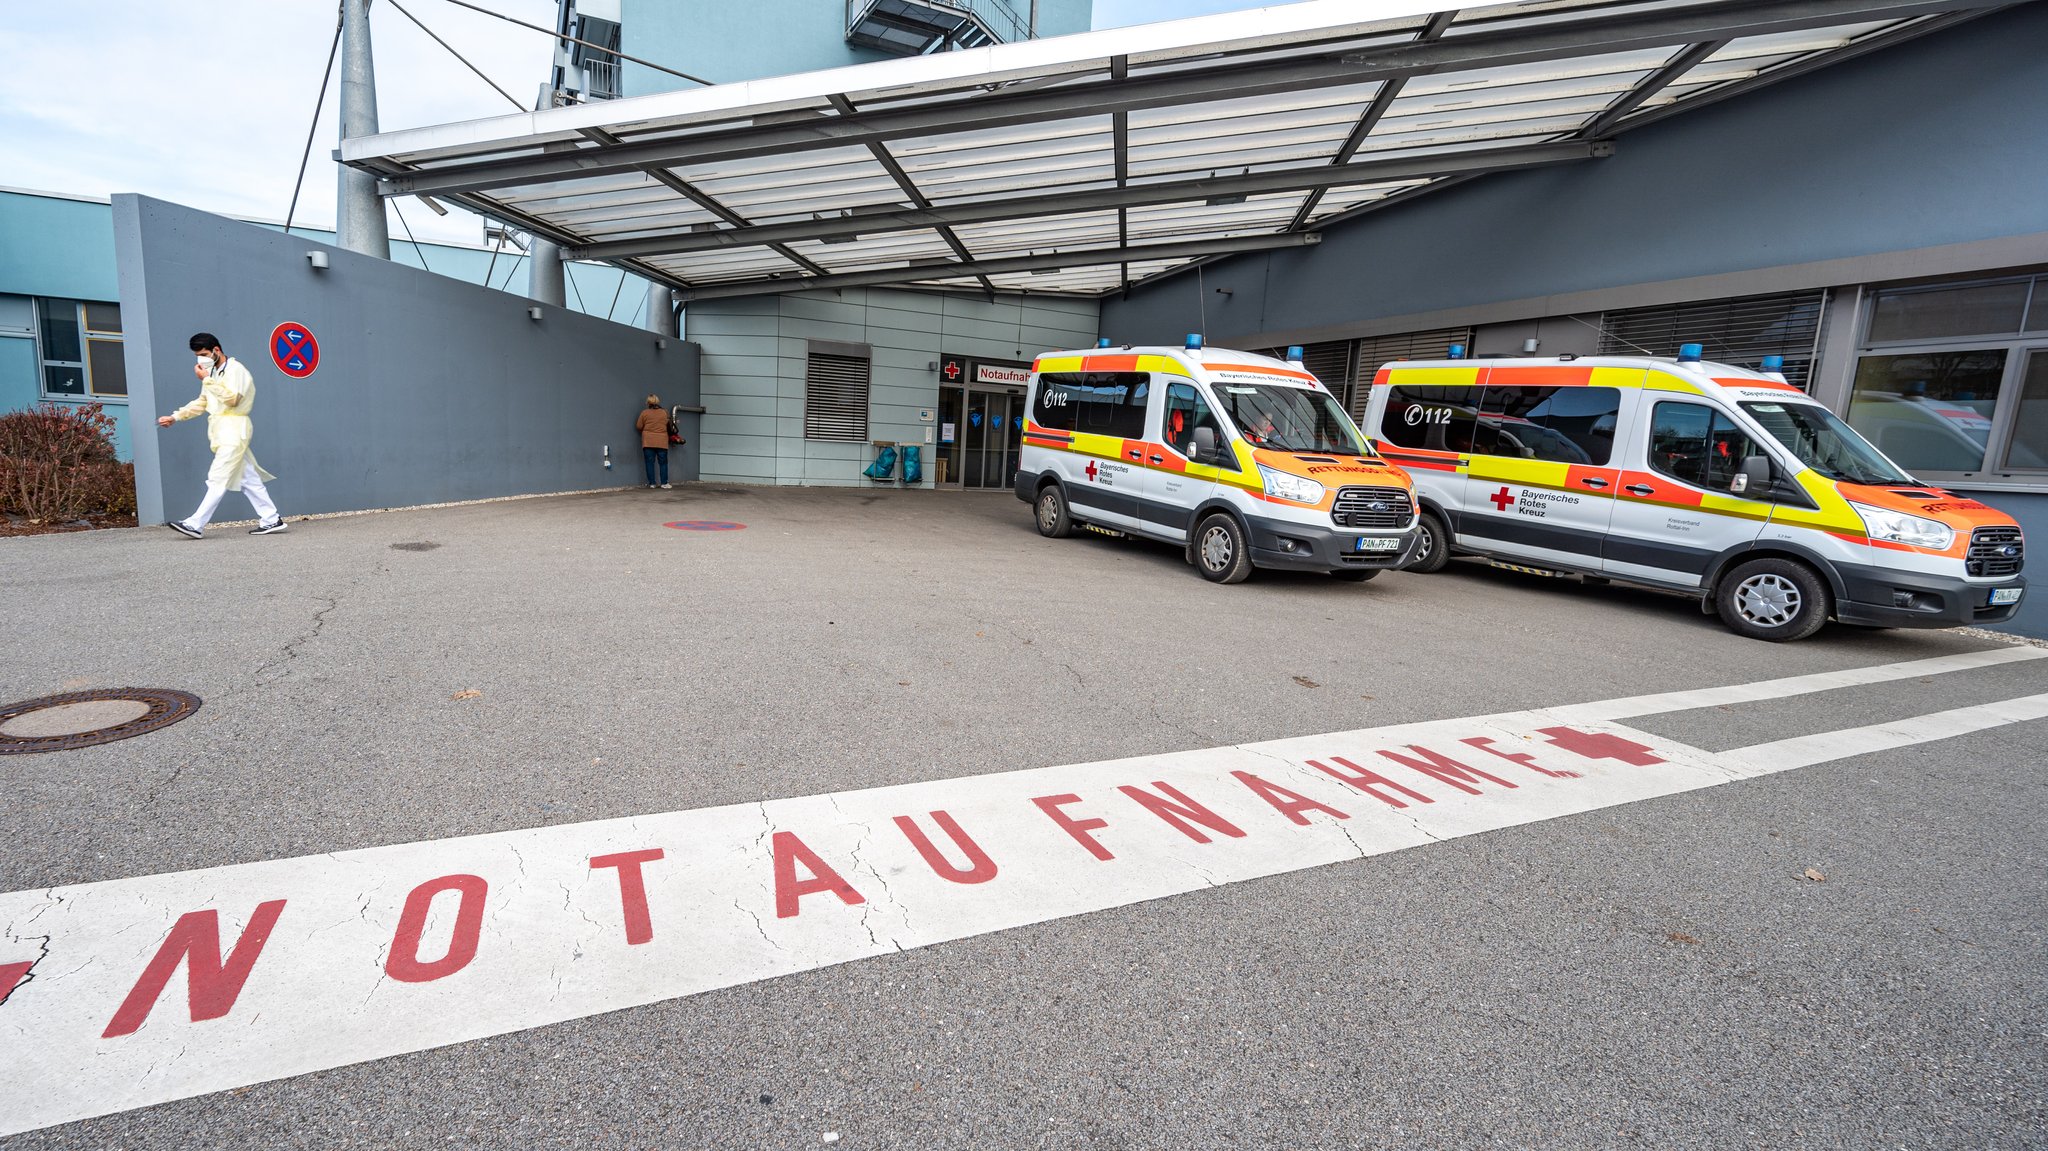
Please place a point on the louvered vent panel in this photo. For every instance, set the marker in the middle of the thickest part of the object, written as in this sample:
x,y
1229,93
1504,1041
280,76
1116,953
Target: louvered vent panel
x,y
1741,330
836,398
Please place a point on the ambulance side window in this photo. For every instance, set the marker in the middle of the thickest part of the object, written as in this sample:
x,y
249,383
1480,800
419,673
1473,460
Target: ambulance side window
x,y
1434,417
1567,425
1697,444
1101,403
1186,410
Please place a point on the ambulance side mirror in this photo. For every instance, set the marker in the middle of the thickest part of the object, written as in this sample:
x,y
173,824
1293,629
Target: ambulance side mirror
x,y
1205,444
1752,478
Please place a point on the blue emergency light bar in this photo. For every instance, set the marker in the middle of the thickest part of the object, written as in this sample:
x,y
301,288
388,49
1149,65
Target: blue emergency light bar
x,y
1774,363
1103,342
1194,343
1457,351
1690,353
1294,353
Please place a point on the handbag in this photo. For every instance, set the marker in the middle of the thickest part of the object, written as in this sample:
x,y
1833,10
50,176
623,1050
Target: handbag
x,y
675,435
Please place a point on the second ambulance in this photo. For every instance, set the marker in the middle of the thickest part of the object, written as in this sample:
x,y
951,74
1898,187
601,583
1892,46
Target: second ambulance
x,y
1244,460
1727,484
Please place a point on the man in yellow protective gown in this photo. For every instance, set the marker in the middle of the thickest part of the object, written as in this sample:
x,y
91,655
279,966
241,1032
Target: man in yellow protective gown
x,y
226,393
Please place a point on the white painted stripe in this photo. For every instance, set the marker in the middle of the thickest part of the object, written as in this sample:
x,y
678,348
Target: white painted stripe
x,y
365,960
1806,750
1634,706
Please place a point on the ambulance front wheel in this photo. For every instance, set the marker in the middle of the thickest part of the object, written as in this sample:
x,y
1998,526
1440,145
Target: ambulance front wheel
x,y
1773,599
1219,552
1053,520
1435,549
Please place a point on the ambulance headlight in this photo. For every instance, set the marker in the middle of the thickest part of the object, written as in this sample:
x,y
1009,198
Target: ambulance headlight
x,y
1900,528
1283,486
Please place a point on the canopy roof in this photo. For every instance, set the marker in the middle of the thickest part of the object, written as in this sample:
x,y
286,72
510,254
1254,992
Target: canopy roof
x,y
1084,163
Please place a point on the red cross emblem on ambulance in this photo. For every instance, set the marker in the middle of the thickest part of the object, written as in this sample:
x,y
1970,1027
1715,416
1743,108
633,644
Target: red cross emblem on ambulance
x,y
1090,469
1502,498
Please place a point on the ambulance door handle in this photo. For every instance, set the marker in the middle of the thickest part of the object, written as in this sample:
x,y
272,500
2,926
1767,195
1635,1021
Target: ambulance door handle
x,y
1594,482
1134,455
1640,489
1158,459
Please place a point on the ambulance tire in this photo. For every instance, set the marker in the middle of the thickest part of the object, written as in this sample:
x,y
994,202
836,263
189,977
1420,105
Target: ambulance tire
x,y
1436,545
1773,599
1051,513
1219,550
1356,575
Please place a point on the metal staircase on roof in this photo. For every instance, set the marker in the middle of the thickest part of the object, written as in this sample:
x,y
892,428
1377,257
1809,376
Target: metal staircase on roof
x,y
917,27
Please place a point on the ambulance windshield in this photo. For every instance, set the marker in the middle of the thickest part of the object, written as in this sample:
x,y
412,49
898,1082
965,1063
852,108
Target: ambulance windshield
x,y
1827,445
1290,419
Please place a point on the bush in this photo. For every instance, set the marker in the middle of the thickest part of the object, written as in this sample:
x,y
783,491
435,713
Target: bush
x,y
57,464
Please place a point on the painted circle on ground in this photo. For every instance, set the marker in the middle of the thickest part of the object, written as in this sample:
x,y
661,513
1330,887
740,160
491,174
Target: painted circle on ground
x,y
86,718
294,350
704,526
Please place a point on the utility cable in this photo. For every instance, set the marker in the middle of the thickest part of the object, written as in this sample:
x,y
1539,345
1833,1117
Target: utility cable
x,y
417,250
552,34
459,56
315,125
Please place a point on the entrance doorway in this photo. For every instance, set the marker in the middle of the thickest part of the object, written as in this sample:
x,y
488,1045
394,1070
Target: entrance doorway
x,y
978,436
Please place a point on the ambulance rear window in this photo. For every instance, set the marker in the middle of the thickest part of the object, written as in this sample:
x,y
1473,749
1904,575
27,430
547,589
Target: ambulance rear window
x,y
1101,403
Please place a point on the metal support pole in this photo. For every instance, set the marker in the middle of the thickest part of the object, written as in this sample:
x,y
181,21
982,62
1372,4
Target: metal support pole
x,y
661,311
545,277
359,210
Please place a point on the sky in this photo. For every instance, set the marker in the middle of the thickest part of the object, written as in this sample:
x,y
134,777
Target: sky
x,y
208,102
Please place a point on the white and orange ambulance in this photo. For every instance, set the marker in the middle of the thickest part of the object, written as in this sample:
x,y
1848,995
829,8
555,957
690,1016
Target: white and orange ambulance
x,y
1244,460
1728,484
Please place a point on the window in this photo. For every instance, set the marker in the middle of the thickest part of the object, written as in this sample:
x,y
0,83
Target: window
x,y
1435,417
1697,444
1098,403
2029,448
836,398
1929,411
1570,425
1376,351
1186,410
1946,313
81,348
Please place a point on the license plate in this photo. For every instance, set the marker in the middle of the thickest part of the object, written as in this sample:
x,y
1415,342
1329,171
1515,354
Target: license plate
x,y
1372,544
2001,596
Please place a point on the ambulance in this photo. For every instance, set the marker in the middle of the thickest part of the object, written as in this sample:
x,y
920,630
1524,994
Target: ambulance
x,y
1243,460
1726,484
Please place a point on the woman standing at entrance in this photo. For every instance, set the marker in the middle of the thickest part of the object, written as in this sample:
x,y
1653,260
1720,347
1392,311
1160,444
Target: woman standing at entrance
x,y
653,425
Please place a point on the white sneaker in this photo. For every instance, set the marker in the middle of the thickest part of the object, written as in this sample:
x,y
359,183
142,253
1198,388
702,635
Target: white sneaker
x,y
664,487
184,529
650,487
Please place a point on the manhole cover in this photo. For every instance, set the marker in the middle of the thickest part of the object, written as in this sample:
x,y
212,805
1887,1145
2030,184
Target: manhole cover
x,y
704,526
85,718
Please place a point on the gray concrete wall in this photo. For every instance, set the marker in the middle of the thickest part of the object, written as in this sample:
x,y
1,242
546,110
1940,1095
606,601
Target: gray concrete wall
x,y
755,351
1934,142
429,390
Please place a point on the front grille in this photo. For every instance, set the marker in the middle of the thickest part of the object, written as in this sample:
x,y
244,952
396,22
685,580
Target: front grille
x,y
1995,552
1359,507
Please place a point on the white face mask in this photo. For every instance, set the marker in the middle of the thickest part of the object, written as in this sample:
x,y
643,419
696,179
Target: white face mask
x,y
206,363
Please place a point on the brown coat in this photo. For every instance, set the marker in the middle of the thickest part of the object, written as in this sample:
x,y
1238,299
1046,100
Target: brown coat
x,y
653,425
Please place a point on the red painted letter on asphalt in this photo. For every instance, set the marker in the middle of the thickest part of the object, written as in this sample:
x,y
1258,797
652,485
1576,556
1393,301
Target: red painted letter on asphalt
x,y
403,964
1444,769
1288,803
789,851
1368,781
984,868
1078,828
1183,813
1522,757
632,889
211,985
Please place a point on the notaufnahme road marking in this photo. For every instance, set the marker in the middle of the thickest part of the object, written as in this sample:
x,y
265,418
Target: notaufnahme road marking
x,y
138,991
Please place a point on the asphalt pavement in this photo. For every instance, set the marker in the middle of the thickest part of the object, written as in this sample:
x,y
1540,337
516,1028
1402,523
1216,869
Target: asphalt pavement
x,y
1663,973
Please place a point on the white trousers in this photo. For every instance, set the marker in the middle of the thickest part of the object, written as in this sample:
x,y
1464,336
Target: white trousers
x,y
252,486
